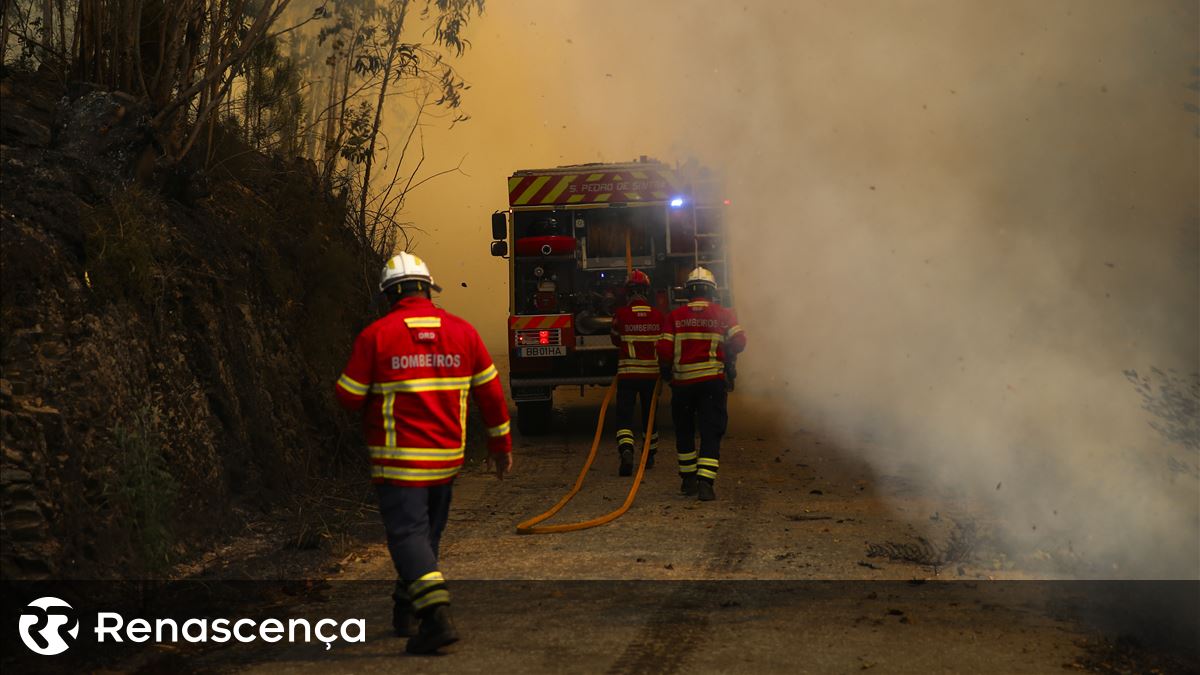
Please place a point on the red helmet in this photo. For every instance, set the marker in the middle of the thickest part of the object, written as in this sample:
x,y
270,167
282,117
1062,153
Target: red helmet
x,y
637,278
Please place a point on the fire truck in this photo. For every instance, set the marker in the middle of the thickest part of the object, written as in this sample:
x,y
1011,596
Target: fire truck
x,y
570,235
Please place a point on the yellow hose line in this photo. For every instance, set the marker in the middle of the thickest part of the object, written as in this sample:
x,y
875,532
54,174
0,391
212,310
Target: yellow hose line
x,y
527,527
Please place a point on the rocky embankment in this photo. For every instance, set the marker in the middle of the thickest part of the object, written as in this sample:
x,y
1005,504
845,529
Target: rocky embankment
x,y
170,336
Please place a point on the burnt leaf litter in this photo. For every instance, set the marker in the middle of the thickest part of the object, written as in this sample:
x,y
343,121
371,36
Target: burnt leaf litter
x,y
960,545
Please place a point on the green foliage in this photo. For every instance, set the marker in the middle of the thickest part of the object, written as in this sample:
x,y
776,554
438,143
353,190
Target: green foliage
x,y
357,146
143,488
126,247
450,19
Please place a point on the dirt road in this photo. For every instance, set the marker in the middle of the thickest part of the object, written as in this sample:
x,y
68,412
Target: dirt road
x,y
774,576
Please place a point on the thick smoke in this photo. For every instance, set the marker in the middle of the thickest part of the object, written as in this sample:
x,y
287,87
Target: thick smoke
x,y
964,228
957,226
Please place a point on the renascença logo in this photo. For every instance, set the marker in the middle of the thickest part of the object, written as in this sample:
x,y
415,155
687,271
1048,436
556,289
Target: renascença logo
x,y
46,624
50,626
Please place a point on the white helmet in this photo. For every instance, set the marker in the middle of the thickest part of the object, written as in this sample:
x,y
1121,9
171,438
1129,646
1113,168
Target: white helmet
x,y
405,267
701,277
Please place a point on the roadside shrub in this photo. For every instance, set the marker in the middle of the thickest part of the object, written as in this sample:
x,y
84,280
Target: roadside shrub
x,y
126,247
143,488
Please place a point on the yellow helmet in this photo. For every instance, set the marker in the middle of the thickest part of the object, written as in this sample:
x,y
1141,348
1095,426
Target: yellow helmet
x,y
405,267
701,277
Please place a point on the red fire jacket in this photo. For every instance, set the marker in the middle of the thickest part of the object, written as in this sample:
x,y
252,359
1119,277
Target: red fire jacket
x,y
696,339
411,371
636,329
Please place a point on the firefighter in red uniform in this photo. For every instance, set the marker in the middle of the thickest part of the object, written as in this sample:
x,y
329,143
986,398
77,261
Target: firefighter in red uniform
x,y
410,374
697,338
636,329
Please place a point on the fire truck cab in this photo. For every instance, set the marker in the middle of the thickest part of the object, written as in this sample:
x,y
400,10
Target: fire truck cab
x,y
570,235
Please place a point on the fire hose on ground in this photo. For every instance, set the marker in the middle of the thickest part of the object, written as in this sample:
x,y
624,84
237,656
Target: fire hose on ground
x,y
531,526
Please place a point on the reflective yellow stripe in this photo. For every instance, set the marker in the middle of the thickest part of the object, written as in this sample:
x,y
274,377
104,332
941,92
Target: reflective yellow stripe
x,y
438,597
697,372
712,348
641,338
353,386
733,331
688,456
423,322
426,582
532,189
499,429
422,385
697,336
700,304
641,370
389,452
688,377
694,367
389,420
706,473
558,189
624,433
407,473
462,416
484,376
708,461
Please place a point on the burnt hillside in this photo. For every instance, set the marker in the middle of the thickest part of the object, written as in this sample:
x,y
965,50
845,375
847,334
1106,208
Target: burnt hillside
x,y
170,336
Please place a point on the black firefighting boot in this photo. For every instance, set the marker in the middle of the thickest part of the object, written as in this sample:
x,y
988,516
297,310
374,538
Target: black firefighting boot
x,y
404,617
626,468
705,489
436,631
688,487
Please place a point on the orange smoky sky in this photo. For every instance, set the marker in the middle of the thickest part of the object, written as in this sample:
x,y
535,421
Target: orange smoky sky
x,y
928,114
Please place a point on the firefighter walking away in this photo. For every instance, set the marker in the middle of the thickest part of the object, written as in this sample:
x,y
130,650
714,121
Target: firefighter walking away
x,y
410,374
697,339
636,329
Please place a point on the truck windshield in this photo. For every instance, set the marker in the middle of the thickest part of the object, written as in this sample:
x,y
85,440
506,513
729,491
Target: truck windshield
x,y
606,230
602,231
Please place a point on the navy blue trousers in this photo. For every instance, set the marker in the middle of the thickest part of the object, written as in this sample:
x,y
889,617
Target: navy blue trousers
x,y
414,518
700,405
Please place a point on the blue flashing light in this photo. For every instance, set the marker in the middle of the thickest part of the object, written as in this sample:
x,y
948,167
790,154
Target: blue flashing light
x,y
677,202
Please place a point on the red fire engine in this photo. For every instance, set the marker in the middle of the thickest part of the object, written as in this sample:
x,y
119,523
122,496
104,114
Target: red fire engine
x,y
573,230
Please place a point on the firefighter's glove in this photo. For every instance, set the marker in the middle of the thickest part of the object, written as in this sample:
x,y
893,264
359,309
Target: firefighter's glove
x,y
664,371
501,463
